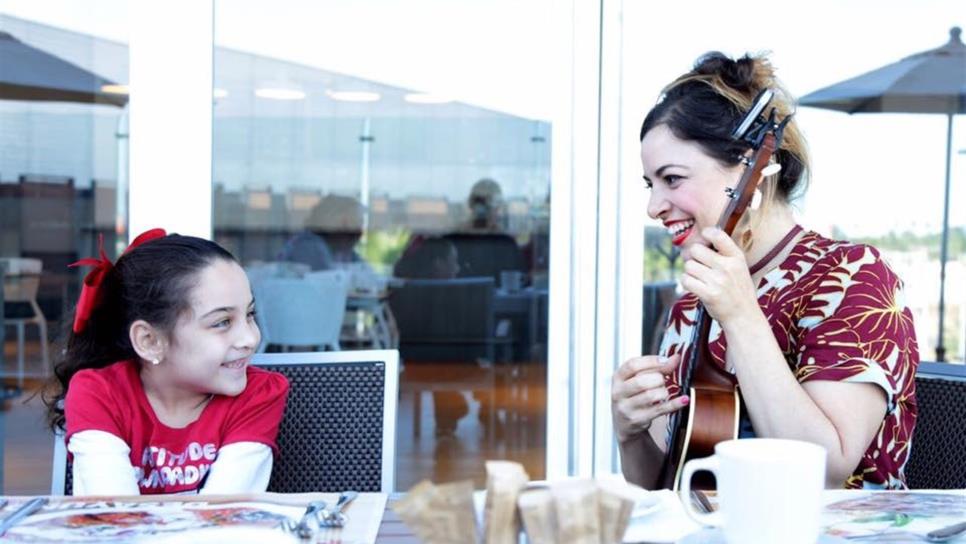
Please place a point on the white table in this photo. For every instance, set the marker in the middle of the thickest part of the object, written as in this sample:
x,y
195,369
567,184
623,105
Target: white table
x,y
899,516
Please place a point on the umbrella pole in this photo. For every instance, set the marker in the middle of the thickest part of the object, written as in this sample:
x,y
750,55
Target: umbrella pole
x,y
940,348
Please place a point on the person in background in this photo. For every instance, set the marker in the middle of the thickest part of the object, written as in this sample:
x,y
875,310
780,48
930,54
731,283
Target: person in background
x,y
155,391
487,209
484,246
815,330
428,258
332,230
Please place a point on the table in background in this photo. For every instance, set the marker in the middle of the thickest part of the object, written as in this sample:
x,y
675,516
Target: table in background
x,y
382,333
527,310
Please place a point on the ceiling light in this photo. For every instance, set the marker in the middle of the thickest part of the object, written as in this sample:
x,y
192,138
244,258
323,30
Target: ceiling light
x,y
354,96
115,88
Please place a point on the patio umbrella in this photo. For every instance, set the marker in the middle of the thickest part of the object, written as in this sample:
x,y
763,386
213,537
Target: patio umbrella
x,y
932,81
28,73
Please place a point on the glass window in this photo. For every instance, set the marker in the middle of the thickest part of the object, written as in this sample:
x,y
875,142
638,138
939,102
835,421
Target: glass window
x,y
63,155
413,160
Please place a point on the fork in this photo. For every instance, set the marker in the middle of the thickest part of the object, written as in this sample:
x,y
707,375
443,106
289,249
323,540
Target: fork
x,y
25,510
336,517
295,529
301,529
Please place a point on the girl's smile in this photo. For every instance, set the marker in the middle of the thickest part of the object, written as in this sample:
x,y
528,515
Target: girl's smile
x,y
237,364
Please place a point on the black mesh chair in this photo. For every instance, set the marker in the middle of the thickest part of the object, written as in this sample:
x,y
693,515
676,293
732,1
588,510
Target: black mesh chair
x,y
938,455
62,477
339,427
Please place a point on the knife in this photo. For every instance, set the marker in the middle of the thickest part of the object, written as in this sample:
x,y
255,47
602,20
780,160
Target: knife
x,y
946,533
25,510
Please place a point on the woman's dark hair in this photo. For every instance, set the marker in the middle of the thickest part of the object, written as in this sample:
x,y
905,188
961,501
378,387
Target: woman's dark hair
x,y
150,282
706,104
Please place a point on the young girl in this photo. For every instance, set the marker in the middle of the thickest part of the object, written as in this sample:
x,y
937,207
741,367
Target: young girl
x,y
815,330
157,388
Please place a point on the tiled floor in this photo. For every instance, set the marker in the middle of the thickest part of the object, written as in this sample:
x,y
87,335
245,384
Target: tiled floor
x,y
518,435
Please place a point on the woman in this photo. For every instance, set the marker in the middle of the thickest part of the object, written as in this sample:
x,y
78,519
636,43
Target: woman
x,y
815,330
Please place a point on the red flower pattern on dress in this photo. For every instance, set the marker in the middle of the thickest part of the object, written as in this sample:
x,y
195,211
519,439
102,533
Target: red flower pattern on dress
x,y
837,312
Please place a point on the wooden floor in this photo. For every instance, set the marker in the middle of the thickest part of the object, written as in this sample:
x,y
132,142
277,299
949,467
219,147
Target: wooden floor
x,y
516,432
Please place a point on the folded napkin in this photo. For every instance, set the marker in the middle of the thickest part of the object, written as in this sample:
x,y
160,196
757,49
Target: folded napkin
x,y
660,519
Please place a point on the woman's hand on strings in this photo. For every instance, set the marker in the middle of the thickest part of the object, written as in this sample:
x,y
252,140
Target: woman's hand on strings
x,y
638,394
719,277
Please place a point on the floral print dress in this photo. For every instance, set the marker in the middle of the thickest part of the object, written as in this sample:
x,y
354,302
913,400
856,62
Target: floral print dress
x,y
838,313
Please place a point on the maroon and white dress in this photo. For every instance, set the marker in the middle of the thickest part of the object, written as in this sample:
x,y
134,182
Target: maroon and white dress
x,y
838,313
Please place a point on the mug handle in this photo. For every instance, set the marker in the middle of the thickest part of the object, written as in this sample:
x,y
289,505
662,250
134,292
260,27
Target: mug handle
x,y
710,464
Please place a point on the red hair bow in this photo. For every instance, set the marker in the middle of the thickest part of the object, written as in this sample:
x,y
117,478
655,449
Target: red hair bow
x,y
91,295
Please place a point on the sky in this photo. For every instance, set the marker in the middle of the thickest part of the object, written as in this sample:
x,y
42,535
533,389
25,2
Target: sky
x,y
872,173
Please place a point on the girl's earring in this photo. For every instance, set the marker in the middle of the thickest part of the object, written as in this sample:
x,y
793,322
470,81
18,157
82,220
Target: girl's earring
x,y
155,362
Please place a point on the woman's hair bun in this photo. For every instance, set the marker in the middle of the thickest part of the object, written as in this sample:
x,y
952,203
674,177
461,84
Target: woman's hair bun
x,y
738,74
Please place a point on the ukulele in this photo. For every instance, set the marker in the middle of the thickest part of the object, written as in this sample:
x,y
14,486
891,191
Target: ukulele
x,y
714,412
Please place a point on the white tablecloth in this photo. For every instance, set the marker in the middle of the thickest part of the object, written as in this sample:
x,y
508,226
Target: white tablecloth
x,y
894,516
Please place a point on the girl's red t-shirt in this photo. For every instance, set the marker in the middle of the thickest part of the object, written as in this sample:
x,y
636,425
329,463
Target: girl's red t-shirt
x,y
169,460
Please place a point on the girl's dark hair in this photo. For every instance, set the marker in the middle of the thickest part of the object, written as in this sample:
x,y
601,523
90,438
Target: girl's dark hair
x,y
149,282
706,104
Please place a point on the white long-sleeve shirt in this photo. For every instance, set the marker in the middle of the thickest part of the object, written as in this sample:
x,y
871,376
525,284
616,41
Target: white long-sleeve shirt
x,y
102,466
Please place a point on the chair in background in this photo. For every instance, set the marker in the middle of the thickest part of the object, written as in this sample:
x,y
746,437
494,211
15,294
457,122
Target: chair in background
x,y
20,285
260,270
938,454
61,475
339,427
449,338
369,323
448,320
487,254
306,311
49,230
48,224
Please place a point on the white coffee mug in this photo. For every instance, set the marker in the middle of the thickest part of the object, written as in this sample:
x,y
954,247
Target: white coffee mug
x,y
769,490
